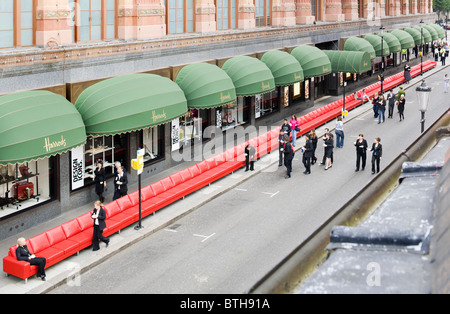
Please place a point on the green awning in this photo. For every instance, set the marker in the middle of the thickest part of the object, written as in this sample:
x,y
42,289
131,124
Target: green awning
x,y
375,41
206,86
129,103
250,76
313,61
392,41
405,39
432,31
426,34
359,44
349,61
37,124
439,30
415,34
284,67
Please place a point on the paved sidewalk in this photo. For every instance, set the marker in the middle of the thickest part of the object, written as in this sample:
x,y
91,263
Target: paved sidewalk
x,y
66,272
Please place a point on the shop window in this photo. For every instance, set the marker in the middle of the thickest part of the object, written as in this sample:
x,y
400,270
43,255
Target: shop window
x,y
26,185
152,140
297,90
267,103
108,149
286,92
233,114
189,128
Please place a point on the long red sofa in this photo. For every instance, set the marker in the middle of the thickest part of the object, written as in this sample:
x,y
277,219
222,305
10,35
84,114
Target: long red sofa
x,y
70,237
329,112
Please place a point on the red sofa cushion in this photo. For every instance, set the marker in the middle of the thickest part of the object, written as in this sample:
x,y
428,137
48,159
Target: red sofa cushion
x,y
71,228
147,193
85,221
39,243
112,209
157,188
55,235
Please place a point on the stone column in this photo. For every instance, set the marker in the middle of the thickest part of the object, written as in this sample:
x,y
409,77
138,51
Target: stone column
x,y
283,13
303,12
333,11
350,9
53,23
246,14
205,16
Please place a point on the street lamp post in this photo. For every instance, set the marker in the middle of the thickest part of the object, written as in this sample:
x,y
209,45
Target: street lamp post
x,y
423,97
421,43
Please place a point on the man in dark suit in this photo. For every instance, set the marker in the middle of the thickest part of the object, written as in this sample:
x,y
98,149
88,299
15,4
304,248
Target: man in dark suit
x,y
99,216
289,152
249,157
120,183
23,254
307,154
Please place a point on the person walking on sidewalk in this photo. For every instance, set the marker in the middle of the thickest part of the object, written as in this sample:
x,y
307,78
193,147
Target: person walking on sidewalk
x,y
120,183
377,152
328,144
391,102
446,83
324,159
100,180
294,129
289,153
381,108
313,138
375,101
401,107
280,147
407,73
99,216
250,153
339,130
361,149
307,154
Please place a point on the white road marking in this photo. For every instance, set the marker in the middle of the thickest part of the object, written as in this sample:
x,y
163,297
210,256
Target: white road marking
x,y
271,194
203,236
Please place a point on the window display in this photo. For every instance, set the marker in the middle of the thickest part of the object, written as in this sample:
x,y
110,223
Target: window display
x,y
152,140
25,185
233,114
190,126
267,103
108,149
